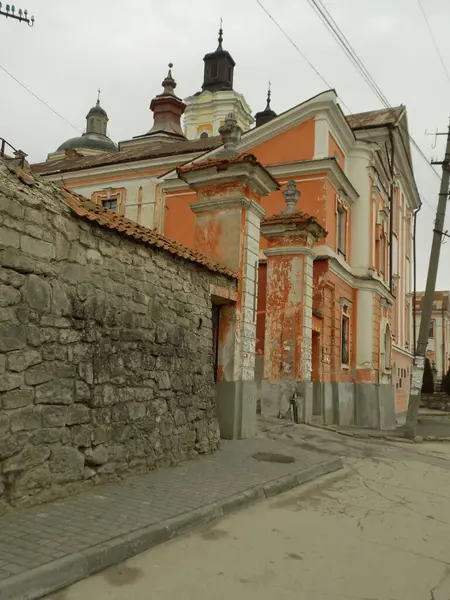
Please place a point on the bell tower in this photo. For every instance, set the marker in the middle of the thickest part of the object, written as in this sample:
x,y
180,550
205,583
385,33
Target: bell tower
x,y
206,110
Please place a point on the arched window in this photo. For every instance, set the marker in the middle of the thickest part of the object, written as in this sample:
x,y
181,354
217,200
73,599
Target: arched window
x,y
204,135
387,348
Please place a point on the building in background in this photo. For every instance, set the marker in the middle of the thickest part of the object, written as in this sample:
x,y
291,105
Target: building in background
x,y
332,265
438,349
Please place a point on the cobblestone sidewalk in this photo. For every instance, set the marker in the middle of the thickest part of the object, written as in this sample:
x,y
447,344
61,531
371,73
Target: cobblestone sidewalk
x,y
50,546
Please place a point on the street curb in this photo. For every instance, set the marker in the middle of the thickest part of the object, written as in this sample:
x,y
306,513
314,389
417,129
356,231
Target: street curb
x,y
63,572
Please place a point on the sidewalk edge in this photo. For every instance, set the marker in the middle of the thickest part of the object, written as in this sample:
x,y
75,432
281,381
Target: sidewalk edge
x,y
63,572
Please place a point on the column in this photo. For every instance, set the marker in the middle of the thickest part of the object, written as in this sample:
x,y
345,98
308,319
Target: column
x,y
227,229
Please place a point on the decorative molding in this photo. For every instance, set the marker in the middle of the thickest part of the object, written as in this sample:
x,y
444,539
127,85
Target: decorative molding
x,y
288,250
329,166
226,203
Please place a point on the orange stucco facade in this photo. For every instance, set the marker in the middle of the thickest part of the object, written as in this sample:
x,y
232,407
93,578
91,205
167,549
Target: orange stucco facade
x,y
338,299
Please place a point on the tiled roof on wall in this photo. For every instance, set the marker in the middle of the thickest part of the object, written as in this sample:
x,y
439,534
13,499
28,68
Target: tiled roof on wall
x,y
107,218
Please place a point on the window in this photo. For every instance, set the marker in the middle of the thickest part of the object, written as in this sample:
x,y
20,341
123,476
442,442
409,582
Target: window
x,y
345,329
431,332
214,71
341,226
110,203
204,135
230,72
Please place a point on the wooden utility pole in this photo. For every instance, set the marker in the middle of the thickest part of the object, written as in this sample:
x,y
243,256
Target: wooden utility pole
x,y
427,303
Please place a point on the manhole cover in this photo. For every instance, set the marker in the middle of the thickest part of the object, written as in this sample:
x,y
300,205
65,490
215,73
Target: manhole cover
x,y
275,458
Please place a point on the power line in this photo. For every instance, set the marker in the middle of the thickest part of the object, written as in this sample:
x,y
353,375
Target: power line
x,y
60,116
40,99
436,45
295,45
340,37
337,33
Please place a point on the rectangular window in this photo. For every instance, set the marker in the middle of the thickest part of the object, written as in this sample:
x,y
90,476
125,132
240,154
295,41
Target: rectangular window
x,y
345,330
214,71
341,229
110,203
431,332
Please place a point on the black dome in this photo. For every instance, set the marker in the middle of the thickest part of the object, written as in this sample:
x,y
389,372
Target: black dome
x,y
97,110
90,141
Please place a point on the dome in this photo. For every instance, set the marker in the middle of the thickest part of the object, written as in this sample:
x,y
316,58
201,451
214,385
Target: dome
x,y
91,141
97,111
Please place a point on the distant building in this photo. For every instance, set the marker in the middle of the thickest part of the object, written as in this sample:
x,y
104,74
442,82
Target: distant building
x,y
438,349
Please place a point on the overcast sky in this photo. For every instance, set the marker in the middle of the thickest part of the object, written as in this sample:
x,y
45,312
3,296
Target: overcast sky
x,y
124,47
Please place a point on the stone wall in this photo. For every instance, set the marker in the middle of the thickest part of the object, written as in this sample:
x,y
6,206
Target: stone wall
x,y
105,350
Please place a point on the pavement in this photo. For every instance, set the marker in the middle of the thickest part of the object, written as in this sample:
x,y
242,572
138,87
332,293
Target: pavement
x,y
432,425
376,530
48,547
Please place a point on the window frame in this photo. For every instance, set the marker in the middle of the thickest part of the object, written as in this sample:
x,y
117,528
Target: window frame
x,y
105,201
432,329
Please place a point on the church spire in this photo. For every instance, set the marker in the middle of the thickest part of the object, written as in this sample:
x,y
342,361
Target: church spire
x,y
267,114
219,47
167,110
219,68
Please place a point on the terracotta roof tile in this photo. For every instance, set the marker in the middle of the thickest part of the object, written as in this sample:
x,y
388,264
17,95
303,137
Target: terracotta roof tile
x,y
222,163
146,151
374,118
107,218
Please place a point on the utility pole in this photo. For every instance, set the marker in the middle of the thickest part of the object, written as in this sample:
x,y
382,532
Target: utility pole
x,y
427,303
21,16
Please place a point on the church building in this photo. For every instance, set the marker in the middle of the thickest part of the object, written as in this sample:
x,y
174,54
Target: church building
x,y
312,209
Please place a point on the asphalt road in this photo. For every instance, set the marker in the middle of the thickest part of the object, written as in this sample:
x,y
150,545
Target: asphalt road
x,y
379,530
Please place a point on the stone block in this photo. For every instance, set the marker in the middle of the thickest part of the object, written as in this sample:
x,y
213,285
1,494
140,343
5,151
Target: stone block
x,y
20,360
81,436
9,295
36,247
54,416
50,435
66,464
40,373
5,425
37,293
11,206
17,398
10,381
28,458
55,392
12,337
2,363
13,444
96,456
78,414
136,410
26,419
61,299
9,237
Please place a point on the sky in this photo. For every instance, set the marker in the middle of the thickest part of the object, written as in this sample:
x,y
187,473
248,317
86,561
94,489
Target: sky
x,y
123,48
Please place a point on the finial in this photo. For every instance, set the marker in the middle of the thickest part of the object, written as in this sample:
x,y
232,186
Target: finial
x,y
219,47
99,91
291,195
268,97
169,83
230,132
